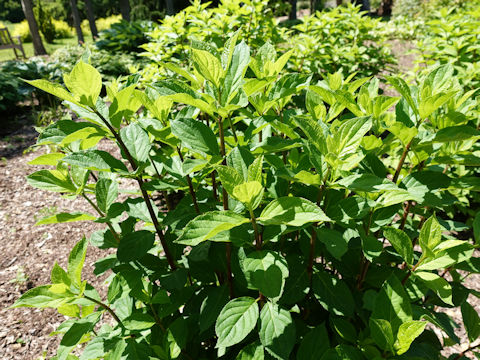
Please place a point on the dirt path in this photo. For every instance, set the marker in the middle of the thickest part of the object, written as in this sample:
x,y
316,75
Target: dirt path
x,y
29,252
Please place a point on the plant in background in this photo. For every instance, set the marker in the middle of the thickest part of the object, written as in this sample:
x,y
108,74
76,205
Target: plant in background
x,y
45,22
102,23
452,38
9,95
340,39
110,65
124,36
296,219
62,29
21,29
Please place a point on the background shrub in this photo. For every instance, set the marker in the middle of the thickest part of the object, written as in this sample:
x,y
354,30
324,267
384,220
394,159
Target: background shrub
x,y
124,36
62,29
101,23
21,29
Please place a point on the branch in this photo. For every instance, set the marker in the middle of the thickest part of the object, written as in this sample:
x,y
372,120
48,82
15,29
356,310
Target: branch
x,y
106,307
402,160
139,179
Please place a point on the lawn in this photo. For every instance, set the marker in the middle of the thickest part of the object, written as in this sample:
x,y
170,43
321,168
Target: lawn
x,y
8,54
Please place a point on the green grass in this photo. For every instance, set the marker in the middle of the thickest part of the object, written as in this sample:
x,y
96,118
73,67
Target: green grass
x,y
8,54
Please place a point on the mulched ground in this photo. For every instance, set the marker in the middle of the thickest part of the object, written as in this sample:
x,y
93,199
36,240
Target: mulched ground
x,y
29,252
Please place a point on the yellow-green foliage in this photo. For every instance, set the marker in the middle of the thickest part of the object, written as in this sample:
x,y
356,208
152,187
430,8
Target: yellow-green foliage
x,y
21,29
62,29
102,23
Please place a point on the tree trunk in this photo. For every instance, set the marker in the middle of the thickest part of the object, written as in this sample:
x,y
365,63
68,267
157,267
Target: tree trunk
x,y
170,8
38,48
125,9
293,11
76,21
339,2
313,6
91,18
385,8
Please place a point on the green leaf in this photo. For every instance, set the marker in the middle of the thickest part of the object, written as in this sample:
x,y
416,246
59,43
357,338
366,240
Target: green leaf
x,y
240,160
394,197
65,217
85,82
476,228
314,344
158,107
366,183
292,211
43,296
96,160
59,276
315,105
124,105
401,242
313,131
75,334
75,262
347,137
135,245
401,86
236,320
456,133
254,172
250,193
333,294
51,180
133,350
229,177
47,159
438,284
208,66
404,133
177,336
236,71
138,321
471,320
211,306
195,135
430,235
428,105
277,331
207,226
382,333
334,241
307,178
265,271
407,333
89,137
446,258
372,247
106,192
188,99
344,328
382,104
253,351
392,304
54,89
136,141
